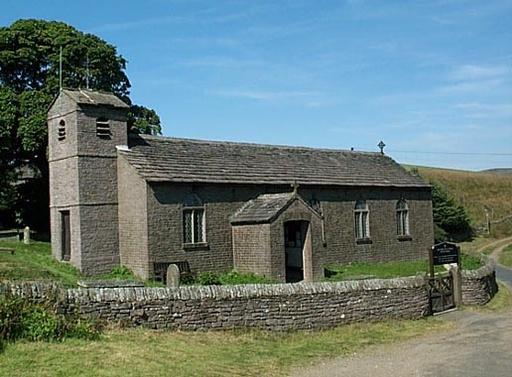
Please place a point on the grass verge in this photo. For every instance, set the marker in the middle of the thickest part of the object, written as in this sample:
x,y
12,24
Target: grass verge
x,y
139,352
501,302
505,258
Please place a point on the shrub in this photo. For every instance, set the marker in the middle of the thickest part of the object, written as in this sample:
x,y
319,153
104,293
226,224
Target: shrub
x,y
120,273
21,319
11,316
38,324
208,278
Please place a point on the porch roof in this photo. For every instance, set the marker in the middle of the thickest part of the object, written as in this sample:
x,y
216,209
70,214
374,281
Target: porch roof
x,y
265,208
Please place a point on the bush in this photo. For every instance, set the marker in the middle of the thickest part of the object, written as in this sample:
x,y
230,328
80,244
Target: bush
x,y
208,278
20,319
37,324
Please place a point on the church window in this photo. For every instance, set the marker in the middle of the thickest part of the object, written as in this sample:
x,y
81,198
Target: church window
x,y
361,220
402,218
193,220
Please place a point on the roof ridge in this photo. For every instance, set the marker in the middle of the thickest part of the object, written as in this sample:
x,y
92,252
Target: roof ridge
x,y
241,143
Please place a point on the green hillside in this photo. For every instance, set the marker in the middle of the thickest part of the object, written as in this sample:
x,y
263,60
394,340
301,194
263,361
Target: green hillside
x,y
477,191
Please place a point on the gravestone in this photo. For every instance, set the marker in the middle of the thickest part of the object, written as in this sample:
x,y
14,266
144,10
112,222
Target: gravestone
x,y
26,235
173,276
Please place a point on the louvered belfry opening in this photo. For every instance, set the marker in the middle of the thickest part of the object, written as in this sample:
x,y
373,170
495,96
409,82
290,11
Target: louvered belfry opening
x,y
103,128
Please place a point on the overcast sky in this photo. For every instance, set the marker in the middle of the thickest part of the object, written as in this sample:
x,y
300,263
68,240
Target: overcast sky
x,y
423,76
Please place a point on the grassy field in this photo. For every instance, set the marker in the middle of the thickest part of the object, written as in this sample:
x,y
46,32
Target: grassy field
x,y
505,257
139,352
34,262
475,191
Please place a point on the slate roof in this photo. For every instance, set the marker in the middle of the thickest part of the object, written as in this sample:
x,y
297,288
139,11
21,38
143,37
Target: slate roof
x,y
265,208
162,159
89,97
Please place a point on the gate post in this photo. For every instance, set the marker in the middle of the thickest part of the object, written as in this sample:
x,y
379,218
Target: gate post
x,y
457,284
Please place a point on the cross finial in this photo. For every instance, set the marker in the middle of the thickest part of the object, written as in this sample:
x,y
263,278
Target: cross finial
x,y
295,186
381,145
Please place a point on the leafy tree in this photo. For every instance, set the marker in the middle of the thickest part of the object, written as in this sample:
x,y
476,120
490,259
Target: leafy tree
x,y
29,80
450,219
144,121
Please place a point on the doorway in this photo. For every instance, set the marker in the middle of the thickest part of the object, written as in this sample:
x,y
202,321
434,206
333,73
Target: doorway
x,y
295,243
65,236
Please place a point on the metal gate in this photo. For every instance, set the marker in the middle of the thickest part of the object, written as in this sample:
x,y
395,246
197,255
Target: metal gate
x,y
441,293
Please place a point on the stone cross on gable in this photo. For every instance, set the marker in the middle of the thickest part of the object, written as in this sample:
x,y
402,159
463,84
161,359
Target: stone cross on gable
x,y
295,186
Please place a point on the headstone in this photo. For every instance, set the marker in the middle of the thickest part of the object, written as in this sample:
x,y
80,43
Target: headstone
x,y
173,276
26,235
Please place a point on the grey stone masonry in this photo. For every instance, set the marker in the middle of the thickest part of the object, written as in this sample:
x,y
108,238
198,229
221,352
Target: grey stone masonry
x,y
479,286
275,307
266,306
83,177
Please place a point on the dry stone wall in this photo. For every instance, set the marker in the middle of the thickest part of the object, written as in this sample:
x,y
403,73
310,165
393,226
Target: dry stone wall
x,y
274,306
266,306
479,286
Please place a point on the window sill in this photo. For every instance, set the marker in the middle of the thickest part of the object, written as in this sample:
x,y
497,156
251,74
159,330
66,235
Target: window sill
x,y
196,246
404,238
363,241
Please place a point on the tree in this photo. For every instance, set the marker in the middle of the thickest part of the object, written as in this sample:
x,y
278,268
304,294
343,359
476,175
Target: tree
x,y
450,219
29,80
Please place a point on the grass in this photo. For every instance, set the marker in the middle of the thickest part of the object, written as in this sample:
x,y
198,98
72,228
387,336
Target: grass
x,y
476,245
505,257
35,262
384,270
139,352
501,302
476,191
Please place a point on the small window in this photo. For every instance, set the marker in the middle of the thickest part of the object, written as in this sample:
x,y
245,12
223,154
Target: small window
x,y
62,130
361,220
402,218
193,220
103,128
193,226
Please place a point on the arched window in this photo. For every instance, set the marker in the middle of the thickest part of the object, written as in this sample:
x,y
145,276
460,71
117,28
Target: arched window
x,y
402,218
62,130
361,220
103,128
193,220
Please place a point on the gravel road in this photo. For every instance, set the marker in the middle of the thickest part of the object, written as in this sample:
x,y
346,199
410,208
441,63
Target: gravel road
x,y
480,345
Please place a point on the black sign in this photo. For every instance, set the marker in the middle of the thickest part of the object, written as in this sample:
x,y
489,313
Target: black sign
x,y
445,253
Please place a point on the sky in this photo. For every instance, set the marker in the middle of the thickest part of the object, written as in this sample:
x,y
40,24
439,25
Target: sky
x,y
432,79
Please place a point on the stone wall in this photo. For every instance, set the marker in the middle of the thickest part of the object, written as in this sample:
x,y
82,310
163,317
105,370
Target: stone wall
x,y
274,307
165,232
479,286
266,306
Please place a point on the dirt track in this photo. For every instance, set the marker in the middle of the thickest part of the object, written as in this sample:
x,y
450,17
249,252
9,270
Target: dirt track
x,y
479,345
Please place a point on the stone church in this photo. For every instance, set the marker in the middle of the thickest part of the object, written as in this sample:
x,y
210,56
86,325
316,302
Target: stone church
x,y
285,212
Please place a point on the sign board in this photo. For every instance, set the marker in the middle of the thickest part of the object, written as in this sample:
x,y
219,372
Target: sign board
x,y
445,253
